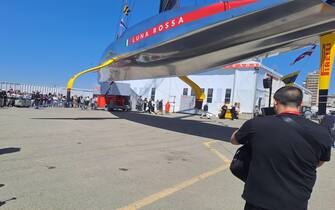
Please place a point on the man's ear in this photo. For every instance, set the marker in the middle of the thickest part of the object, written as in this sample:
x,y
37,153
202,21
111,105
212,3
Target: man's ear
x,y
276,103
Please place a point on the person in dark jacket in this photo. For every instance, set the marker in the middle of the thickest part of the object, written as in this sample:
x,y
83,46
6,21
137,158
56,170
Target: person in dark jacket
x,y
233,110
205,112
328,121
151,107
223,112
286,150
37,100
145,105
3,98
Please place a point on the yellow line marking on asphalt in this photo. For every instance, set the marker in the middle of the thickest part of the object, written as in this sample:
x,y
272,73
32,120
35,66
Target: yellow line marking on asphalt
x,y
171,190
215,151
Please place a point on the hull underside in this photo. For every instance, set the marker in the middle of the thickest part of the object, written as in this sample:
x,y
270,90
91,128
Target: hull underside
x,y
270,31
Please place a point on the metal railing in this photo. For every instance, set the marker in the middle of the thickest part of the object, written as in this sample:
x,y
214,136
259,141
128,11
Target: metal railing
x,y
29,88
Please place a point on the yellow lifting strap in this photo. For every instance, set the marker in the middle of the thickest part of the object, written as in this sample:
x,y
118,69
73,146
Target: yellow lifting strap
x,y
200,95
327,53
71,81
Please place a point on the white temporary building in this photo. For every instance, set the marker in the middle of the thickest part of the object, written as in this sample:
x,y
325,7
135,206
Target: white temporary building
x,y
239,83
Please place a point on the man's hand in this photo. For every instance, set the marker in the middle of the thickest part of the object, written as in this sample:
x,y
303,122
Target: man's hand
x,y
233,138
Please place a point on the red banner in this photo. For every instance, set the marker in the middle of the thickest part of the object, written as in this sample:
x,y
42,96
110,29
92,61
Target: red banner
x,y
243,66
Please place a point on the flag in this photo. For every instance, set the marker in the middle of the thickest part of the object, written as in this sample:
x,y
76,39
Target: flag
x,y
122,24
290,79
305,54
126,10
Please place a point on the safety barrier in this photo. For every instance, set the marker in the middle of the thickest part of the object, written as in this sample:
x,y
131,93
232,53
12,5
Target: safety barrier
x,y
29,88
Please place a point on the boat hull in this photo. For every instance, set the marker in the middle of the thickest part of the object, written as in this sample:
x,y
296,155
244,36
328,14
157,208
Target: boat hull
x,y
278,28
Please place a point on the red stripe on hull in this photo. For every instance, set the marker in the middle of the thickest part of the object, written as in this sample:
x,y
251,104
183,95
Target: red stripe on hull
x,y
189,17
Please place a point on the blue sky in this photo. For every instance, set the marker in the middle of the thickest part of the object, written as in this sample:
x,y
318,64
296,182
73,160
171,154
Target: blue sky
x,y
46,42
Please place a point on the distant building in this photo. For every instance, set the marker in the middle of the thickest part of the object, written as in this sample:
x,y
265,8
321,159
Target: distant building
x,y
331,101
312,84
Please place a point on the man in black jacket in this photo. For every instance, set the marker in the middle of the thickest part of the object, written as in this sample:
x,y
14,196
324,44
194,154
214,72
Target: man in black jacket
x,y
283,161
3,97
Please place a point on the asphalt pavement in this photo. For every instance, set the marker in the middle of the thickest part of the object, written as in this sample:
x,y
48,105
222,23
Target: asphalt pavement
x,y
55,159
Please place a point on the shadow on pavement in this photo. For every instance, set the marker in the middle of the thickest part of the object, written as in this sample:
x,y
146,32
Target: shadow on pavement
x,y
77,118
4,202
191,127
9,150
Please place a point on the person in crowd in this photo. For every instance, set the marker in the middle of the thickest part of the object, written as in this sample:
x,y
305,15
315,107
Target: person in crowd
x,y
234,112
205,112
11,98
145,104
167,107
33,97
79,102
157,106
238,105
153,105
3,97
92,103
37,100
75,101
64,101
160,106
328,121
139,104
5,100
86,102
45,100
286,150
223,112
82,102
256,111
55,100
71,102
150,106
49,100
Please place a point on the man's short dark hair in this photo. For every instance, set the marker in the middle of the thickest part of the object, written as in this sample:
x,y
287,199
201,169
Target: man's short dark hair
x,y
289,96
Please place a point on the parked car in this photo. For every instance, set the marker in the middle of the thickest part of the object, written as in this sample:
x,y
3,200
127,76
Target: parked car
x,y
118,103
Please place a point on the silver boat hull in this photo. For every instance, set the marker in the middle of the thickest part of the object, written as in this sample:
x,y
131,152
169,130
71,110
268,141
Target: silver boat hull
x,y
281,28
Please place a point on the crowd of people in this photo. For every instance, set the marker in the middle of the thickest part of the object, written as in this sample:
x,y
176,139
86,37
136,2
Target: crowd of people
x,y
83,102
233,110
36,99
151,107
158,107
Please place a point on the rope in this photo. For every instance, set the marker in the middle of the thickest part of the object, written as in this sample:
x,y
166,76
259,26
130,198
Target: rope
x,y
118,23
131,6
